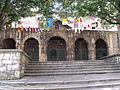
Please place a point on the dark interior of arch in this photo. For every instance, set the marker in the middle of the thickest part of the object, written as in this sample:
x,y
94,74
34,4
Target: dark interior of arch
x,y
101,49
81,50
9,44
56,50
31,47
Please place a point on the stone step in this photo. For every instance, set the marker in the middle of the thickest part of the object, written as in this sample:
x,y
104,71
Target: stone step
x,y
63,85
67,70
71,73
77,64
71,67
13,83
65,62
87,63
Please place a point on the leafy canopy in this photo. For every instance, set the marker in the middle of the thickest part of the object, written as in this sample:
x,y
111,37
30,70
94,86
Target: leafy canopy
x,y
109,10
13,10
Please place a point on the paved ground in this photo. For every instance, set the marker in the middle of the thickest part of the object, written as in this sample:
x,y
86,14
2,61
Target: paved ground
x,y
42,82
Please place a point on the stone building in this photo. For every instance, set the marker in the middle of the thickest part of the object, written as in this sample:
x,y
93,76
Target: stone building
x,y
60,43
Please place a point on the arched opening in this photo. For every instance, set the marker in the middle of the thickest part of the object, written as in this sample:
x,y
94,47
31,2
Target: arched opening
x,y
9,43
56,50
101,49
81,49
31,47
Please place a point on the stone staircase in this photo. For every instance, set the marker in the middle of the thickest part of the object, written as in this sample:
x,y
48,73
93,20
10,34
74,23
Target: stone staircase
x,y
67,75
70,68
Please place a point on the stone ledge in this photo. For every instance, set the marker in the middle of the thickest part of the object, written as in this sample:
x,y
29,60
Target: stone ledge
x,y
12,63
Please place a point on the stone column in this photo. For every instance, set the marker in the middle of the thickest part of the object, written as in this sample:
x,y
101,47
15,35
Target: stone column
x,y
70,52
118,36
43,54
22,47
110,45
70,47
92,50
18,40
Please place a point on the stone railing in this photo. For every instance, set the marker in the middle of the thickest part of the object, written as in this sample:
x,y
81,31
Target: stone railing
x,y
112,58
12,63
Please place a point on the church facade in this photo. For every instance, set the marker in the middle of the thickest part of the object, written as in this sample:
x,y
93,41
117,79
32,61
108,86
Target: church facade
x,y
61,43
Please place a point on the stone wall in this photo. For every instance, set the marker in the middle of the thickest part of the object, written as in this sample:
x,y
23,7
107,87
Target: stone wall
x,y
112,58
12,63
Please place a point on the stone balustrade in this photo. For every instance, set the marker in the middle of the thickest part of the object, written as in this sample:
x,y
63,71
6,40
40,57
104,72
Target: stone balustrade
x,y
112,58
12,63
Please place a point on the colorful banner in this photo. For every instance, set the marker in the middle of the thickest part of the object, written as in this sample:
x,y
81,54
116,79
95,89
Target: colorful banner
x,y
64,21
50,22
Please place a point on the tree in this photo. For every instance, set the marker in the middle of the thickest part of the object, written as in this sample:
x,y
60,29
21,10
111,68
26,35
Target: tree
x,y
108,10
13,10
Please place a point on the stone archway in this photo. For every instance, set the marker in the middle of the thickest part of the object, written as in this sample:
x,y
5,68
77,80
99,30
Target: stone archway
x,y
81,49
31,47
101,48
9,43
56,49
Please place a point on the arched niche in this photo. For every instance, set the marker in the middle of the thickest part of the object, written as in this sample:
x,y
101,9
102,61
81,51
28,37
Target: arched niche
x,y
101,48
56,49
81,49
9,43
31,47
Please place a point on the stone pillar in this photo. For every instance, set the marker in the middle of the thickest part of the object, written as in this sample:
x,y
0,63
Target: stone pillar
x,y
70,47
92,50
43,54
110,45
118,36
70,52
22,47
115,43
18,40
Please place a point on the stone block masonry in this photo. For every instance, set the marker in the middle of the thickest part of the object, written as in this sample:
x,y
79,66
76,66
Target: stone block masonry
x,y
12,63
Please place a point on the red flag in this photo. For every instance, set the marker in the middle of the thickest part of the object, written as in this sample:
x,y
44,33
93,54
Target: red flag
x,y
80,19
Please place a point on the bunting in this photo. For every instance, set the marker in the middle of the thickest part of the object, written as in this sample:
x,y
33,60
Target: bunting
x,y
64,21
50,22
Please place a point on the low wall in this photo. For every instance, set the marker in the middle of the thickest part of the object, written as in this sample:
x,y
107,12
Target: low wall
x,y
12,63
112,58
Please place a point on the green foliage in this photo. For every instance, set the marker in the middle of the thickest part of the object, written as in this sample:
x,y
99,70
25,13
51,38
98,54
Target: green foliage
x,y
43,24
13,10
109,10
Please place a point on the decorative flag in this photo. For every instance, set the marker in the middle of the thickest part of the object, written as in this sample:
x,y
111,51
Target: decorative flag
x,y
9,25
33,29
100,21
88,25
50,22
118,26
22,28
29,29
79,19
75,23
19,28
85,26
93,25
64,21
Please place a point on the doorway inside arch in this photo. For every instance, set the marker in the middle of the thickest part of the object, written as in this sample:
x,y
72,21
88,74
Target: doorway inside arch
x,y
31,47
101,49
9,43
81,49
56,49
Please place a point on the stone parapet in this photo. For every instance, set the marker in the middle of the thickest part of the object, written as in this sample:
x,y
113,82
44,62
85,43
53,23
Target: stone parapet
x,y
12,63
112,58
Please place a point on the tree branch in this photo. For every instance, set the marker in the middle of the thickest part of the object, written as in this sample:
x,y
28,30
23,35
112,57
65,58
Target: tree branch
x,y
3,14
111,21
115,5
